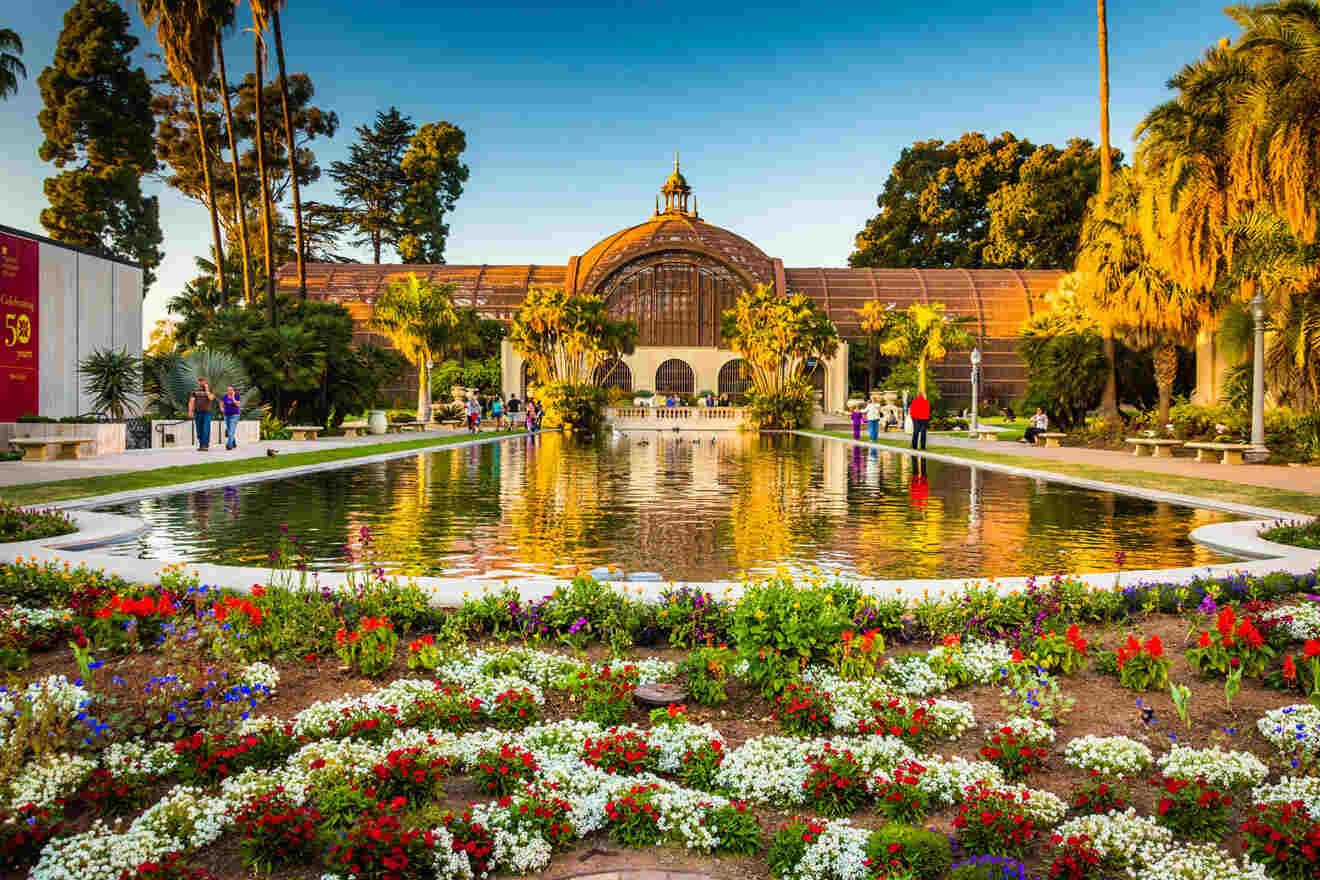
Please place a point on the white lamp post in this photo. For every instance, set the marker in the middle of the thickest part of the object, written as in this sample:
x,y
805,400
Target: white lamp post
x,y
426,416
1259,450
976,383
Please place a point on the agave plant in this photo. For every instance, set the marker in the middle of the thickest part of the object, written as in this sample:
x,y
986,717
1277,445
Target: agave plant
x,y
178,378
113,378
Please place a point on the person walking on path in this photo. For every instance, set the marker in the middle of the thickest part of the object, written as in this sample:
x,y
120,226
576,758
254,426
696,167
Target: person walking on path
x,y
919,410
856,416
873,414
231,405
199,410
497,411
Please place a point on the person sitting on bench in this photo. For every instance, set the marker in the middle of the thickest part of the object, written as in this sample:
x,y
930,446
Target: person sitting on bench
x,y
1040,423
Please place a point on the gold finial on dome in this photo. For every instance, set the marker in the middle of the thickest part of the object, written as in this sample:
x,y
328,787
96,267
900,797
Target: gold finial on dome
x,y
676,192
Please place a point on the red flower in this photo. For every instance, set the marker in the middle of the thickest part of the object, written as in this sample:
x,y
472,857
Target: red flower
x,y
1154,647
1205,641
1312,649
1289,668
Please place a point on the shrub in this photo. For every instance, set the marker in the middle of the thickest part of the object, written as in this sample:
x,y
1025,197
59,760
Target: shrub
x,y
995,822
697,767
503,772
1191,808
779,627
626,754
380,848
1284,838
1297,534
900,797
408,774
19,524
837,783
634,819
1143,667
926,854
790,843
370,649
737,828
276,831
803,711
705,671
692,616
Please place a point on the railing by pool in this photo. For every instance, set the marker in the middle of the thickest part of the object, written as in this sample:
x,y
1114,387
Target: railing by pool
x,y
660,418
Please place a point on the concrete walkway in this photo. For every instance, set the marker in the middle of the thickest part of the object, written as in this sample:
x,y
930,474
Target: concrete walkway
x,y
17,473
1295,479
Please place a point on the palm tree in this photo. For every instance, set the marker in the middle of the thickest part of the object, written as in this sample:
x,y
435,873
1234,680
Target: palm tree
x,y
874,318
417,317
187,41
1109,401
224,12
11,68
923,333
1126,289
274,7
259,19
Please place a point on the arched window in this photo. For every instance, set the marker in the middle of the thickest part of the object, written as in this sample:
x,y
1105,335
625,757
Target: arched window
x,y
814,372
676,298
528,377
735,379
674,377
613,374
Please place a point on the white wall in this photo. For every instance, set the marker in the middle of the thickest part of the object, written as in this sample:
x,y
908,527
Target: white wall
x,y
85,303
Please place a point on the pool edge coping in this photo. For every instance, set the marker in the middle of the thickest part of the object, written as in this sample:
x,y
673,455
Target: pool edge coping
x,y
1241,538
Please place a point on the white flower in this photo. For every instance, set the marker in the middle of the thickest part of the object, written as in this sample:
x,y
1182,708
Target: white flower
x,y
946,778
1110,755
259,675
914,675
1123,840
1219,768
1200,862
979,662
1291,788
1030,731
43,781
1305,622
838,853
1292,729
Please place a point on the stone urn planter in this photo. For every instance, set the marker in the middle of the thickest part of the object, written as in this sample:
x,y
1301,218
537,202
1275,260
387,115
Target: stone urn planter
x,y
376,421
891,398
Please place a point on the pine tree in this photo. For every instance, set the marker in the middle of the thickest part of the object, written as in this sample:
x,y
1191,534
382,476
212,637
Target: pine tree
x,y
98,126
435,181
372,183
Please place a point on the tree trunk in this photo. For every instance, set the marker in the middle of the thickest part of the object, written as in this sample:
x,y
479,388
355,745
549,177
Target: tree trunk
x,y
870,367
1109,399
1166,371
239,208
921,374
259,51
422,391
293,154
210,193
1102,32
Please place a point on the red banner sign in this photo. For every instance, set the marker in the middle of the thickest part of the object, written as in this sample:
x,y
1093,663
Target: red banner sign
x,y
18,327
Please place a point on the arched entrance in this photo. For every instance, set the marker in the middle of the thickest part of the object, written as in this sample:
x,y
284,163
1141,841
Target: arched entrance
x,y
675,377
613,374
735,380
814,372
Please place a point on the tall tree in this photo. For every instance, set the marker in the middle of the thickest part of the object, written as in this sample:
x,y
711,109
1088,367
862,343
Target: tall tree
x,y
921,334
435,179
372,183
273,13
11,66
226,10
935,207
1108,400
417,317
187,40
97,125
259,22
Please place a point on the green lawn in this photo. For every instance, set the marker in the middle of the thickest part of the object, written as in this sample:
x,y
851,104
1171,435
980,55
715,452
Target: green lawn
x,y
83,487
1221,490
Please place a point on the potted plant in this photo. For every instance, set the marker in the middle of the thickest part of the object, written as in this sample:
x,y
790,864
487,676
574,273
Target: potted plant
x,y
377,419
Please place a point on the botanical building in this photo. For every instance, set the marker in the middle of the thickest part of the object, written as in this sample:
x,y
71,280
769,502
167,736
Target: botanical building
x,y
674,274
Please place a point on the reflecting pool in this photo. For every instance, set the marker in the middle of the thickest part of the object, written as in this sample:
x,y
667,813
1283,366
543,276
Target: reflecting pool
x,y
709,507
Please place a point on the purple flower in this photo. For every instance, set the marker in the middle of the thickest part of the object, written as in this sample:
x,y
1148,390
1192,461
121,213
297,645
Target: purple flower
x,y
579,624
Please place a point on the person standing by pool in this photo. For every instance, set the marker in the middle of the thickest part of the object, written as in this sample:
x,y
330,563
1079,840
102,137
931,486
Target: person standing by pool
x,y
513,408
231,404
919,410
856,416
497,411
199,410
873,414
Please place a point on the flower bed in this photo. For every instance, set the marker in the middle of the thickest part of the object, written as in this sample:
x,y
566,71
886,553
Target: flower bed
x,y
176,723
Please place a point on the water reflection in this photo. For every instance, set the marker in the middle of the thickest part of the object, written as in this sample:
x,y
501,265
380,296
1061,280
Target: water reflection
x,y
690,507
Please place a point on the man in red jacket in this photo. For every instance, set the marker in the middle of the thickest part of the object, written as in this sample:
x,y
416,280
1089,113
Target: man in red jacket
x,y
919,410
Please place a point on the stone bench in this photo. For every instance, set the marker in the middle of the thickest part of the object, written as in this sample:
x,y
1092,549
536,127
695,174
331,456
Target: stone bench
x,y
305,432
354,429
1050,440
987,434
1228,453
41,448
1150,446
412,426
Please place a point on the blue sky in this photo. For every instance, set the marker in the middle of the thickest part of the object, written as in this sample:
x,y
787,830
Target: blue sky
x,y
788,116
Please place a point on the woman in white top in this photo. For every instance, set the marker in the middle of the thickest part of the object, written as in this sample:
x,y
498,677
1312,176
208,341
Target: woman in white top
x,y
873,414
